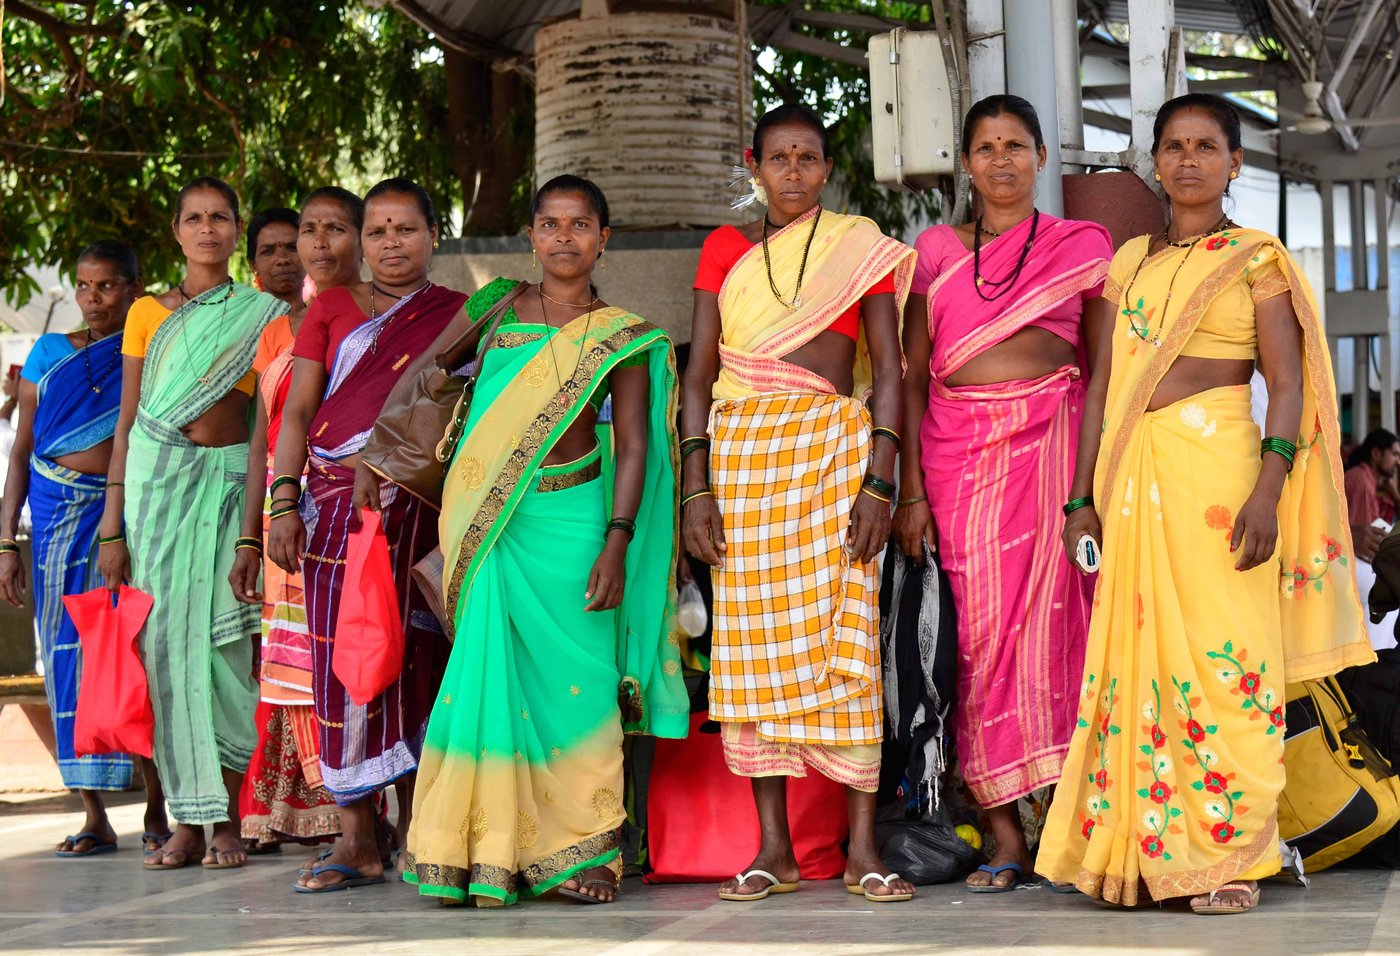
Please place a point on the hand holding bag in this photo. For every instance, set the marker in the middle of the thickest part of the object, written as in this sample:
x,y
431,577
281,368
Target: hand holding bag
x,y
369,641
422,420
114,702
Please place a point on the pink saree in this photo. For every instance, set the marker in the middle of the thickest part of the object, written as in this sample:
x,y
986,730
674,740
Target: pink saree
x,y
998,461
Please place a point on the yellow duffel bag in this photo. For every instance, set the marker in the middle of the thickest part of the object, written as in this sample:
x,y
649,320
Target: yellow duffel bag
x,y
1341,793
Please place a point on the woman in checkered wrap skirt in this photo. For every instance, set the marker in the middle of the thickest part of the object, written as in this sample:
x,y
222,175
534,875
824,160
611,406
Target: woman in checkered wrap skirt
x,y
787,488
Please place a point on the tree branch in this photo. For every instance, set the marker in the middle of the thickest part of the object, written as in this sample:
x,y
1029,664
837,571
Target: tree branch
x,y
208,94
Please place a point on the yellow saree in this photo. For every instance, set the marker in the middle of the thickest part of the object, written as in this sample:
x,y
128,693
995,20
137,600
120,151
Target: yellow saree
x,y
1176,765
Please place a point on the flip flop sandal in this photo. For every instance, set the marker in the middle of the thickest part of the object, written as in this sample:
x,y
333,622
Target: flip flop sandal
x,y
184,856
1065,888
858,889
219,863
1014,868
1212,908
353,878
774,886
321,857
585,898
99,846
158,839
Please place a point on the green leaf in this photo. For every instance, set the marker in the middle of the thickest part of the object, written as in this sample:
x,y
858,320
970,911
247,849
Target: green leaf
x,y
1210,728
1246,705
1083,723
1142,793
1145,749
1229,647
1166,855
1269,731
1197,785
1104,804
1186,687
1237,795
1113,729
1175,812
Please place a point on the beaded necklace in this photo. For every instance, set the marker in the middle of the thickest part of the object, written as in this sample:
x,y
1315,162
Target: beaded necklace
x,y
1009,281
87,364
1137,321
185,325
796,302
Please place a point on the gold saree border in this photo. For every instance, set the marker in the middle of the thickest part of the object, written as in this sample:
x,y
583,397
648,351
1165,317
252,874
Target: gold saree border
x,y
561,406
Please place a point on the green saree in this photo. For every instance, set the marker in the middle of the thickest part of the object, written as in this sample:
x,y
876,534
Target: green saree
x,y
184,508
520,784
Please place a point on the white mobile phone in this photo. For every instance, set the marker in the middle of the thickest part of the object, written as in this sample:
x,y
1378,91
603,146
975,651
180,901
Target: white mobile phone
x,y
1086,554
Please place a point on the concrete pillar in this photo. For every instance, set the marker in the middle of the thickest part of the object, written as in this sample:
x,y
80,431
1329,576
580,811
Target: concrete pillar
x,y
1031,73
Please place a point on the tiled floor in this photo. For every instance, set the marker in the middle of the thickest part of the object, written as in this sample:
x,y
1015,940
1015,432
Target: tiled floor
x,y
110,905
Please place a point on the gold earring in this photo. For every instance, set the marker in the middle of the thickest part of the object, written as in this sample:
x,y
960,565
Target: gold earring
x,y
1234,174
435,243
602,253
534,263
1157,176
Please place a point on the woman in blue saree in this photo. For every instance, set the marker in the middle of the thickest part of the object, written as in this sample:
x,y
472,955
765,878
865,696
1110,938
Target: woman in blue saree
x,y
69,389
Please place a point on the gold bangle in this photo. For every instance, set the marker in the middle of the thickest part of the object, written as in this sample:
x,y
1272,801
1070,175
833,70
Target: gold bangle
x,y
696,494
866,490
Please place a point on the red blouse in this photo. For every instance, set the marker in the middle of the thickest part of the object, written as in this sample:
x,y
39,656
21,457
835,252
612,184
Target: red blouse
x,y
725,245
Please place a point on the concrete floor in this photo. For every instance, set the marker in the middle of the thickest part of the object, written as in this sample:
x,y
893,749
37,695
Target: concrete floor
x,y
110,905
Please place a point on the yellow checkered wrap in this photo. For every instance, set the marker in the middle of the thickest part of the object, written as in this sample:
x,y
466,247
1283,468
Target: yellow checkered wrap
x,y
795,645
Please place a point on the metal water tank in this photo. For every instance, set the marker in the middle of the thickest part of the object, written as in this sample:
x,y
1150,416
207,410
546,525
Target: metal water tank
x,y
652,106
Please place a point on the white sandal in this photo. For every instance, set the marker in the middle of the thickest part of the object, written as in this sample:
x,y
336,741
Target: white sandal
x,y
858,889
774,886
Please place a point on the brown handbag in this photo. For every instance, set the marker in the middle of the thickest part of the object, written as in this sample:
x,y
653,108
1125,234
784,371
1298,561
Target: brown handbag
x,y
422,421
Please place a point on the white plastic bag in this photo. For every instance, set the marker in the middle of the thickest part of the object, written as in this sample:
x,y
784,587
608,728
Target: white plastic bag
x,y
691,615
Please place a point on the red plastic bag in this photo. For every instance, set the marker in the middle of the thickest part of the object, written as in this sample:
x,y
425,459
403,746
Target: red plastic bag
x,y
368,653
114,704
702,826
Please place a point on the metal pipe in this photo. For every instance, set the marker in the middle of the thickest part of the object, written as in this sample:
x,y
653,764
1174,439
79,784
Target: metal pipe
x,y
1149,35
1064,41
1031,72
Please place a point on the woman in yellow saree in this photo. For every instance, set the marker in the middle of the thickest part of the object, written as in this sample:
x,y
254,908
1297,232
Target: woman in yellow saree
x,y
1226,562
560,577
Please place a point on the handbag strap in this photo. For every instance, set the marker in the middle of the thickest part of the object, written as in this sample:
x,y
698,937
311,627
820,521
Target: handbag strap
x,y
452,357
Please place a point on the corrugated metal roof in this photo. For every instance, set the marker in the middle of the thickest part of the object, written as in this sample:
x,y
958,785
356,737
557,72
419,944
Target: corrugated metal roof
x,y
1217,16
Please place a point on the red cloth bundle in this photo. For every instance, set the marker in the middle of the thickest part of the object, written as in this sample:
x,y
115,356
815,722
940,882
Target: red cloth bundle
x,y
369,639
114,702
702,826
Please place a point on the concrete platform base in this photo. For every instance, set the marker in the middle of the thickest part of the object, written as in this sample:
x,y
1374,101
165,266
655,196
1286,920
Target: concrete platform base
x,y
111,905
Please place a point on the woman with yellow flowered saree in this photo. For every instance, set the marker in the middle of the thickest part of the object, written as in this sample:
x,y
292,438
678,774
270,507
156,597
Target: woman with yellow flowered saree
x,y
559,575
1226,562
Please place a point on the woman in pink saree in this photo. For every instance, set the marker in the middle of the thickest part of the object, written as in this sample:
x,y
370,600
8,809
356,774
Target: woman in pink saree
x,y
994,337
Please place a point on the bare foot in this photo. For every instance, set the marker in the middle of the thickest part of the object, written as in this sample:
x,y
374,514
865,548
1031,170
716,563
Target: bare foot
x,y
362,855
599,882
859,865
1239,896
185,844
783,865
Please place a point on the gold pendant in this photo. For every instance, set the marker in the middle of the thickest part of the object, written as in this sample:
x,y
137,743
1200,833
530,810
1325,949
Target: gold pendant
x,y
797,303
981,282
96,390
204,380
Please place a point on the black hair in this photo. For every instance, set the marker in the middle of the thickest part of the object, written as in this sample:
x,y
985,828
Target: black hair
x,y
790,113
1001,104
402,186
266,218
1217,106
353,204
118,254
573,184
1379,439
207,182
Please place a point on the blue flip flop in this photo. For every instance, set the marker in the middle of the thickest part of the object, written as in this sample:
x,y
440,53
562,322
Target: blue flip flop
x,y
353,878
99,846
1015,868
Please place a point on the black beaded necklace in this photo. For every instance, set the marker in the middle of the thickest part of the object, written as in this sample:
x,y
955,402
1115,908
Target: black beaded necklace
x,y
1009,281
87,364
796,302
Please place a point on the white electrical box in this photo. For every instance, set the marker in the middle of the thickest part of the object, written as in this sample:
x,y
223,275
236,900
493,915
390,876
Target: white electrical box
x,y
912,127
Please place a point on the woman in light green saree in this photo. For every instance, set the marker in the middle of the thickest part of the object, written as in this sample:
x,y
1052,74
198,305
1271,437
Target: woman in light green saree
x,y
559,574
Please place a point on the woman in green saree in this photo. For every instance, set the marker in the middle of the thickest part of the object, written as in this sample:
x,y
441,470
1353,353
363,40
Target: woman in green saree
x,y
559,542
